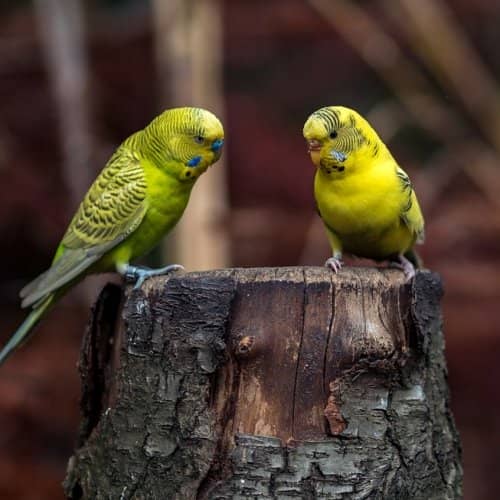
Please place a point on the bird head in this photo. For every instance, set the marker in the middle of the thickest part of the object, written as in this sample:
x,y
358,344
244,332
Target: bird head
x,y
337,138
192,137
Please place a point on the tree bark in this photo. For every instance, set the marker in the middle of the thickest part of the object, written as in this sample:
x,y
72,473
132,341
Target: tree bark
x,y
267,383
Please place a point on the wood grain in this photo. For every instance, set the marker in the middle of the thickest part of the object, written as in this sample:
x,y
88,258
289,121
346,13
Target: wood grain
x,y
268,383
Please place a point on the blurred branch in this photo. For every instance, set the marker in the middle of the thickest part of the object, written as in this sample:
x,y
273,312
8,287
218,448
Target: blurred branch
x,y
453,60
385,57
388,118
16,53
188,36
478,162
483,171
62,32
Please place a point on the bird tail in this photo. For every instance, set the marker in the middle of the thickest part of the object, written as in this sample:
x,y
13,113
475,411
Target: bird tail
x,y
23,332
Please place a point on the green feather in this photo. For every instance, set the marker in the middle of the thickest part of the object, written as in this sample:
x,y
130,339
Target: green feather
x,y
23,332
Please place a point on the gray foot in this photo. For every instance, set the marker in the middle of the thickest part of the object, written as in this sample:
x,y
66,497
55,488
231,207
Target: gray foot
x,y
137,275
405,265
334,263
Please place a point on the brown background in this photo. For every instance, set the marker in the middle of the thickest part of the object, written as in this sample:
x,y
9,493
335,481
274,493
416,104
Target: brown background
x,y
282,60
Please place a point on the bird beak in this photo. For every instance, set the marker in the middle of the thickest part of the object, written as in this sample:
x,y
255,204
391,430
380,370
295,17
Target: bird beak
x,y
313,145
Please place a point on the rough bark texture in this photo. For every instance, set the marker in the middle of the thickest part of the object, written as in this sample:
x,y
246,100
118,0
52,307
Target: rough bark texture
x,y
267,383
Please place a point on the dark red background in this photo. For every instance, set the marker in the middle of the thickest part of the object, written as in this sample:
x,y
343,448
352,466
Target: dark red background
x,y
282,61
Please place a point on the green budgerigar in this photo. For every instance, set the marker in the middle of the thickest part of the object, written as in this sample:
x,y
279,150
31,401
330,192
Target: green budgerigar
x,y
137,198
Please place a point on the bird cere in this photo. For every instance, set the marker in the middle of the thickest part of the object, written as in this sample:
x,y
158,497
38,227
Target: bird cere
x,y
139,196
365,199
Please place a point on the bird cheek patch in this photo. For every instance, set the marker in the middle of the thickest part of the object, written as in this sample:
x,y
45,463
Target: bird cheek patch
x,y
329,168
339,156
325,166
193,162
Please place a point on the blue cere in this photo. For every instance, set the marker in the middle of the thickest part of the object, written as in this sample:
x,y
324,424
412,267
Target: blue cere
x,y
217,144
193,162
338,155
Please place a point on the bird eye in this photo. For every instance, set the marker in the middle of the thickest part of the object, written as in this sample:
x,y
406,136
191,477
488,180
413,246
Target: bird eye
x,y
199,139
333,134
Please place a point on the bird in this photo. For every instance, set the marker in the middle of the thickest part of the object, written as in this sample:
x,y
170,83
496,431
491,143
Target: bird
x,y
138,197
365,199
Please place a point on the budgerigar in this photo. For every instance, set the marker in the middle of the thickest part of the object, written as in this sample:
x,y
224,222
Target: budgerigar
x,y
365,199
137,198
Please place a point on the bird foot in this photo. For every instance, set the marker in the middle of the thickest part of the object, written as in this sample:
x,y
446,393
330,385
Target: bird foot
x,y
405,265
137,275
334,263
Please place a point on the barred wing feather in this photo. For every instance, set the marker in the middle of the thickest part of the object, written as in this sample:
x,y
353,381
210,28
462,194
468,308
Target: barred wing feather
x,y
112,209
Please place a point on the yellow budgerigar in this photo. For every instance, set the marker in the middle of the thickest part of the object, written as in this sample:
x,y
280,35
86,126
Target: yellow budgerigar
x,y
137,198
365,199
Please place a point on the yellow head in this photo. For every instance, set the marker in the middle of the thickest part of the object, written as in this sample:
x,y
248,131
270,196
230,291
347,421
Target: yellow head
x,y
339,139
185,141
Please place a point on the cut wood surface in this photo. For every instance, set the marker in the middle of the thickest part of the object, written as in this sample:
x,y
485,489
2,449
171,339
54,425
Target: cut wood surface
x,y
267,383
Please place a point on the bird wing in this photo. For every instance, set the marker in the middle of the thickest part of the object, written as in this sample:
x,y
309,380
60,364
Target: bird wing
x,y
410,210
112,209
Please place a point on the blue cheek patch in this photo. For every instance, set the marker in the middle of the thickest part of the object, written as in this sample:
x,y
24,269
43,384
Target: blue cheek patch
x,y
193,162
217,145
338,155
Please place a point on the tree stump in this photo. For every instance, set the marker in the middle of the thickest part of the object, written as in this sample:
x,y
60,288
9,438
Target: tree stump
x,y
267,383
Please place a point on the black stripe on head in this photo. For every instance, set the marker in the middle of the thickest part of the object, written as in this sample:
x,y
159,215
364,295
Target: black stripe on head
x,y
360,138
357,135
329,117
350,140
351,137
196,126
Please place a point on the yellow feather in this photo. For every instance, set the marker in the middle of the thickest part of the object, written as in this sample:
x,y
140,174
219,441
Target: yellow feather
x,y
364,198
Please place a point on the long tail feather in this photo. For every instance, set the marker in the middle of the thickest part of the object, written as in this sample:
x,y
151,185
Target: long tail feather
x,y
23,332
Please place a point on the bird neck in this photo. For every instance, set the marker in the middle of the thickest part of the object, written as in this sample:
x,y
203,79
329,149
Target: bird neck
x,y
155,147
149,145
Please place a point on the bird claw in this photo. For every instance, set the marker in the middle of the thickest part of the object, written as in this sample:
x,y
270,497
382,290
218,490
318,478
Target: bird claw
x,y
405,265
334,263
137,275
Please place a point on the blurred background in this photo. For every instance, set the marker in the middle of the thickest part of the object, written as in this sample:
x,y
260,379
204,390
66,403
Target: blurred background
x,y
77,77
